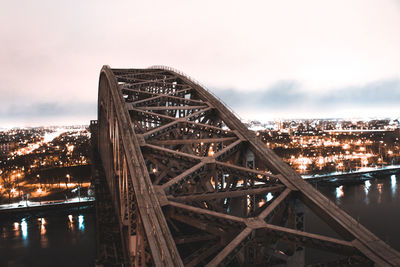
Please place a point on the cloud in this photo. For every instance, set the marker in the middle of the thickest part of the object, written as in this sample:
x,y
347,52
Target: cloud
x,y
379,93
286,92
290,98
48,111
52,52
286,98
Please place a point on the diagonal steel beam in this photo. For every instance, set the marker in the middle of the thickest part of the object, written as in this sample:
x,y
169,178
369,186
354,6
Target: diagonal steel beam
x,y
246,170
135,103
161,128
191,141
133,108
274,204
206,212
171,107
230,247
183,175
228,193
170,151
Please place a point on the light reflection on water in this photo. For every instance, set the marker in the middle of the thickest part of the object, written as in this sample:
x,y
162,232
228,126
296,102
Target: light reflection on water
x,y
373,191
21,229
374,203
43,236
81,223
370,192
71,222
393,183
339,192
379,187
48,239
24,229
367,185
3,233
42,226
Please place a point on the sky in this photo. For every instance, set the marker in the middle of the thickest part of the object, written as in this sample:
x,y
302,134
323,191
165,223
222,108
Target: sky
x,y
265,59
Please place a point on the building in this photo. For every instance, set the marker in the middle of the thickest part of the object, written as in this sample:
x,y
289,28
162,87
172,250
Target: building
x,y
6,147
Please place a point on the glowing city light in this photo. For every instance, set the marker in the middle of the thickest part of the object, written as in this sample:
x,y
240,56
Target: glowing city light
x,y
269,196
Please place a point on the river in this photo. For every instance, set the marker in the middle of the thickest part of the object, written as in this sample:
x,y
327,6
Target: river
x,y
375,203
61,238
67,238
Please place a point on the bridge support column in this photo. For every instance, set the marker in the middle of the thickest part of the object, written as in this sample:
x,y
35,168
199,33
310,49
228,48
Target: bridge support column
x,y
109,247
299,257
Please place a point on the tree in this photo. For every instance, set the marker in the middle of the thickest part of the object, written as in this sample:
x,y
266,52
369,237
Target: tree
x,y
9,184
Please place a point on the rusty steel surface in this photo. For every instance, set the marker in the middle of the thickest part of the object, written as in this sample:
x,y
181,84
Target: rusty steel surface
x,y
192,186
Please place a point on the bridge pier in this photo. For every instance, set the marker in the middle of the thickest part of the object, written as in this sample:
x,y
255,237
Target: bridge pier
x,y
298,214
108,235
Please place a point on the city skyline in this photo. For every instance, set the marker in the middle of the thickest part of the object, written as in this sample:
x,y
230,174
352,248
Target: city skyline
x,y
265,60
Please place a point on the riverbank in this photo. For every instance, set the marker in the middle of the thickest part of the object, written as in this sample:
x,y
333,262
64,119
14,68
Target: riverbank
x,y
354,177
29,206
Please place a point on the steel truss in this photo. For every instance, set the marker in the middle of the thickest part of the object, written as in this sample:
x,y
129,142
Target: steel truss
x,y
193,186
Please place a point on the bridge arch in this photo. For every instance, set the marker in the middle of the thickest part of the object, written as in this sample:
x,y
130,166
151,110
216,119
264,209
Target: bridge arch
x,y
174,158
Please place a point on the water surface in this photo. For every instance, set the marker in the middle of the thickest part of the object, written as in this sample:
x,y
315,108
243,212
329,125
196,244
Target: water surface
x,y
57,238
375,203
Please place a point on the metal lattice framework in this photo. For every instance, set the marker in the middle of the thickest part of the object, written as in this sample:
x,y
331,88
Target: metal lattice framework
x,y
193,186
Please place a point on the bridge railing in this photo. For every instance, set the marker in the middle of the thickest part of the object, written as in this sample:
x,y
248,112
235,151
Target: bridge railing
x,y
197,83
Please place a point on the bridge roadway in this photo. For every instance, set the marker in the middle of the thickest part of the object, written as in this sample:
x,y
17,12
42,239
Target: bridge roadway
x,y
188,182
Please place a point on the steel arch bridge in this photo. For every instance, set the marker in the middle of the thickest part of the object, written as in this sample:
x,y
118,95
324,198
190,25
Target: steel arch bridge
x,y
192,186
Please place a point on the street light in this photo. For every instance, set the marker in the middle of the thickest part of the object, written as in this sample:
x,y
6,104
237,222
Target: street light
x,y
40,192
38,176
19,187
69,180
12,191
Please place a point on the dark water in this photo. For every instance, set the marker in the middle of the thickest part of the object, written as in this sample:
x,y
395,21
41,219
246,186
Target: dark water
x,y
67,238
62,238
375,203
